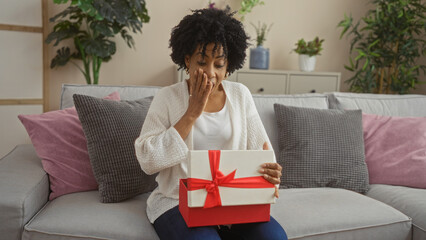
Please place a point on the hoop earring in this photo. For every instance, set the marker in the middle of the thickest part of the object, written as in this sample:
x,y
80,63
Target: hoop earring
x,y
187,71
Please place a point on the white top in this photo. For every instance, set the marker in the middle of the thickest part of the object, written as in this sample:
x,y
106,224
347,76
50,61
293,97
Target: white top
x,y
160,149
212,130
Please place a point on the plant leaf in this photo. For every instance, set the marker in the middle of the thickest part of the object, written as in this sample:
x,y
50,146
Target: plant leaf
x,y
128,38
114,10
62,30
99,48
346,24
72,11
102,27
361,54
349,68
87,6
60,1
373,44
62,57
365,64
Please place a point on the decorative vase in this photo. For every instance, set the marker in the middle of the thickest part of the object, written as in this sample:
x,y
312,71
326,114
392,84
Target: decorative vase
x,y
259,58
306,63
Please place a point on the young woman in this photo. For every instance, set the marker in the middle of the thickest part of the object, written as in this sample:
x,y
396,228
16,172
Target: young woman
x,y
201,113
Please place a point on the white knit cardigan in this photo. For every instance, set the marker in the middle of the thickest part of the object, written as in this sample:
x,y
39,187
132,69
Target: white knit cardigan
x,y
161,149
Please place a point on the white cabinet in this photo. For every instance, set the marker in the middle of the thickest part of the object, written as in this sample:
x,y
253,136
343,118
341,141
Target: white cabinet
x,y
284,82
288,82
301,82
260,83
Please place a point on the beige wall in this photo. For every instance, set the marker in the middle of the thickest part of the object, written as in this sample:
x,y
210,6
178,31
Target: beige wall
x,y
21,69
150,64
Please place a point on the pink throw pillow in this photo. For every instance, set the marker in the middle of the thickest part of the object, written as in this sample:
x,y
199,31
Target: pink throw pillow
x,y
395,150
59,141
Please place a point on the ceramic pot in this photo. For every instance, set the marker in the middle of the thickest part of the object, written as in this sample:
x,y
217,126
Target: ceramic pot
x,y
259,58
306,63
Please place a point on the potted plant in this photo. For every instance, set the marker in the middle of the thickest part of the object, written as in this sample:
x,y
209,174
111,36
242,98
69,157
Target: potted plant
x,y
307,53
387,47
259,56
92,25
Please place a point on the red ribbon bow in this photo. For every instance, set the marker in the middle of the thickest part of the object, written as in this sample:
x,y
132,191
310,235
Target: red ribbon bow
x,y
219,179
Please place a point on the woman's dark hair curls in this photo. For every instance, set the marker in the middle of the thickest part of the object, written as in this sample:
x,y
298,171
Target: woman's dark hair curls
x,y
206,26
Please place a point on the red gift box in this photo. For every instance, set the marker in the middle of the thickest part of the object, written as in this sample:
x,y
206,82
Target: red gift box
x,y
199,216
213,213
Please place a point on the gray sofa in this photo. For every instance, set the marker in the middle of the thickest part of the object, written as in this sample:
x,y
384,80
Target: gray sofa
x,y
385,212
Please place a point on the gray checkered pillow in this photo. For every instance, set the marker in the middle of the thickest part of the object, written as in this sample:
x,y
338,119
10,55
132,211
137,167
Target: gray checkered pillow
x,y
321,148
111,129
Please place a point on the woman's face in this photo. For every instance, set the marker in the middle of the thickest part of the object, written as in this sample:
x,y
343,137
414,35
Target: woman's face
x,y
214,64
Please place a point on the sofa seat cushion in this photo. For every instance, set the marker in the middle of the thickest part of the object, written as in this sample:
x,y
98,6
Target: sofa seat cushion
x,y
410,201
330,213
82,216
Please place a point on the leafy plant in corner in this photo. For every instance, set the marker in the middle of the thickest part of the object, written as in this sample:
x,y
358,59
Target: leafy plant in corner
x,y
92,24
261,31
387,45
311,48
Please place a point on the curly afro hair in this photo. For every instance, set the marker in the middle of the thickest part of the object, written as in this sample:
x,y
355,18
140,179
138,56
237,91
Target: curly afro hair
x,y
207,26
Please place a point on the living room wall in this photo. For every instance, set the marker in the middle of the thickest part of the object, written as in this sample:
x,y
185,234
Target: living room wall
x,y
150,63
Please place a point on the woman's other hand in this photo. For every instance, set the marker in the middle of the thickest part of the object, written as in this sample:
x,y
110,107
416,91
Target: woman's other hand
x,y
271,171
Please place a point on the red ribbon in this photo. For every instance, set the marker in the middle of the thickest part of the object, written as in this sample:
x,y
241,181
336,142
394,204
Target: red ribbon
x,y
219,179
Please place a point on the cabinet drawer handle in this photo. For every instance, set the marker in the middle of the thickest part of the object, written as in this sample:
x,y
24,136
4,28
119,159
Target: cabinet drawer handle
x,y
261,90
313,91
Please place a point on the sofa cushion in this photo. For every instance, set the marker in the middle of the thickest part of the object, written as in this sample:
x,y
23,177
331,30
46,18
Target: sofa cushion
x,y
395,150
409,105
410,201
321,148
111,129
331,213
82,216
59,141
265,108
126,92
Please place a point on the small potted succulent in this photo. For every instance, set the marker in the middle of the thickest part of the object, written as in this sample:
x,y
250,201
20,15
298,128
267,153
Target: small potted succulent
x,y
259,56
307,53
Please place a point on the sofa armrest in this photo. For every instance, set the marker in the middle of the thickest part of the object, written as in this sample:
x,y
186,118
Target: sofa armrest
x,y
24,190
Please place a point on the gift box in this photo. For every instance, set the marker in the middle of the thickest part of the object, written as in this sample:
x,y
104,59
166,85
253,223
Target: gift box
x,y
225,187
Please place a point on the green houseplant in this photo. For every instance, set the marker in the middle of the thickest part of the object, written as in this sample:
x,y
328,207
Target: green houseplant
x,y
259,56
310,48
262,31
247,6
92,25
387,43
307,53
